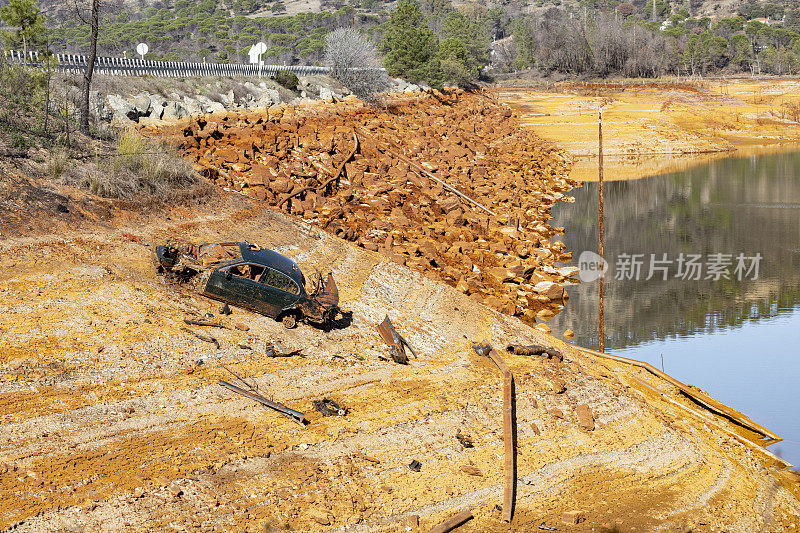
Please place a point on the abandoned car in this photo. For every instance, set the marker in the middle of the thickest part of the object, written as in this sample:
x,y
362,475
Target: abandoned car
x,y
254,278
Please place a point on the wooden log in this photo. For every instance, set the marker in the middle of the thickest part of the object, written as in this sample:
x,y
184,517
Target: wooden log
x,y
453,522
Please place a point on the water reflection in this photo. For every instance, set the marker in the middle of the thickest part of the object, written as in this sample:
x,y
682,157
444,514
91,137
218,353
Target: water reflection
x,y
744,205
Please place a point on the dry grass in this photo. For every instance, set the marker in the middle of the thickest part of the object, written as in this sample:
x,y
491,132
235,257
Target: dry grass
x,y
140,170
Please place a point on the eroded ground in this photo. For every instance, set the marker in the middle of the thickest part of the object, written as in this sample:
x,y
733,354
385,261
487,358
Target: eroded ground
x,y
652,128
112,418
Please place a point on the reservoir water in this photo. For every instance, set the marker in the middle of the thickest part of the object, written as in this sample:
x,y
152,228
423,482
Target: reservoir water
x,y
720,244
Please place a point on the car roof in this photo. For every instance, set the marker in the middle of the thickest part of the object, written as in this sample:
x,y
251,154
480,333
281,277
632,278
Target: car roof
x,y
264,256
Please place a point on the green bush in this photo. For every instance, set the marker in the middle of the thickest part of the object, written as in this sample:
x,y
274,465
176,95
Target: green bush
x,y
287,79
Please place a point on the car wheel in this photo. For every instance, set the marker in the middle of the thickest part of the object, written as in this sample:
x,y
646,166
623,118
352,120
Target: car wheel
x,y
290,321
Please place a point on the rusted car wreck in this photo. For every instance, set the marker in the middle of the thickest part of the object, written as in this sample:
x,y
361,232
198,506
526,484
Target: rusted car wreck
x,y
254,278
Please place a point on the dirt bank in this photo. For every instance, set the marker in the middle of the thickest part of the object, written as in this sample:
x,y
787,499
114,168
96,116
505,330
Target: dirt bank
x,y
112,418
647,124
370,176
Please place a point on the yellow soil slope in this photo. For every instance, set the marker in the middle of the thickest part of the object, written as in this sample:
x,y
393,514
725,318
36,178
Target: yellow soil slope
x,y
108,420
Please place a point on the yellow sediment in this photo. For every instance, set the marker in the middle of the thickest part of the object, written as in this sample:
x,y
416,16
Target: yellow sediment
x,y
654,128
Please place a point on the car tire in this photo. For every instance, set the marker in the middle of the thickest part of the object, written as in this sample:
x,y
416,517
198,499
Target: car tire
x,y
290,321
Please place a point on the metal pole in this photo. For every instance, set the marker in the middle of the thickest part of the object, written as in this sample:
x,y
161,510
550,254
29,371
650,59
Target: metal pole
x,y
600,224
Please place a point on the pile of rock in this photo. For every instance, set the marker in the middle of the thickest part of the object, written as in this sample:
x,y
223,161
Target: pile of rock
x,y
360,173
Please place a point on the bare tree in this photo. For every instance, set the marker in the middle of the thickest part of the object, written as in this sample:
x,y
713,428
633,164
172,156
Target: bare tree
x,y
353,61
89,71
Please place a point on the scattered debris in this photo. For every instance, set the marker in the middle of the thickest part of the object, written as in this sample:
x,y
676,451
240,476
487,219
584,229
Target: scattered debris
x,y
471,470
254,278
547,528
452,523
241,327
556,412
297,416
204,322
278,350
508,427
397,344
371,459
413,521
244,346
329,407
415,466
568,334
558,385
465,441
535,349
225,310
535,428
202,337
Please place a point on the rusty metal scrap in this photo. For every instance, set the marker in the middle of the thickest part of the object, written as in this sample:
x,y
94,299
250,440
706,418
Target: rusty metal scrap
x,y
508,427
397,344
204,322
296,416
328,407
278,350
202,337
452,523
535,349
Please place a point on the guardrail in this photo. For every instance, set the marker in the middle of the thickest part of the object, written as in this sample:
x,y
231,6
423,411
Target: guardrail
x,y
118,66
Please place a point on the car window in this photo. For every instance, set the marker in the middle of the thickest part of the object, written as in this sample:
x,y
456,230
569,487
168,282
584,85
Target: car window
x,y
279,281
247,270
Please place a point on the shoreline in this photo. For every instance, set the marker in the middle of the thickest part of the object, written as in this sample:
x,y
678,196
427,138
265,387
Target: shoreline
x,y
655,128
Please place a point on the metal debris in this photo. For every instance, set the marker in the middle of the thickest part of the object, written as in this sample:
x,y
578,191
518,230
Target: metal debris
x,y
204,322
508,427
465,441
328,407
297,416
452,523
278,350
202,337
535,349
397,344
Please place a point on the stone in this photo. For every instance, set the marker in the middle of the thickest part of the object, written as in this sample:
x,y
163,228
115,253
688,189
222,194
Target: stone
x,y
568,334
558,385
556,412
543,328
471,470
122,111
143,104
554,291
535,429
174,111
321,517
585,417
573,517
325,94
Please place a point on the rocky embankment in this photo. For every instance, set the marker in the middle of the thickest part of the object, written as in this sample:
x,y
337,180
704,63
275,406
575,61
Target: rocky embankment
x,y
121,106
371,176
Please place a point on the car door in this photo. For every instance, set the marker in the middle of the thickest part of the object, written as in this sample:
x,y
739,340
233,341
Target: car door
x,y
237,284
282,291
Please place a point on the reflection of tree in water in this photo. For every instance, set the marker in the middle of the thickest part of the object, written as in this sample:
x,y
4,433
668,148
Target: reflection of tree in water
x,y
731,206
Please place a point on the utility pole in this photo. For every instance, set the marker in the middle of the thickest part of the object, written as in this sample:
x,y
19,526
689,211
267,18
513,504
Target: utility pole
x,y
601,324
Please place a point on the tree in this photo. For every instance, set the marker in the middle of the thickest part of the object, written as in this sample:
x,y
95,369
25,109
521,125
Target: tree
x,y
29,24
88,72
353,61
409,45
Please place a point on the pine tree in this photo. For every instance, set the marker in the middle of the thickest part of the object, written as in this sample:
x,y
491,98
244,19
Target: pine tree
x,y
410,46
29,24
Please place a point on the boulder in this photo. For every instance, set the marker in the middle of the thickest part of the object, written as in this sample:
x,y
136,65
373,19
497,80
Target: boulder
x,y
325,94
122,111
554,291
174,111
143,104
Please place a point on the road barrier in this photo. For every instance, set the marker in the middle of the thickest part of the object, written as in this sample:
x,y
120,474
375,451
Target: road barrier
x,y
117,66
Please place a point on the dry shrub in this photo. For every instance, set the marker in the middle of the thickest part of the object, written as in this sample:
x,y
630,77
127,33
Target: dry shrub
x,y
143,170
58,163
